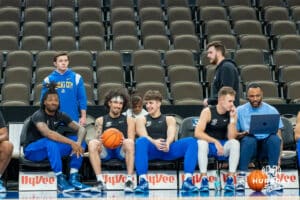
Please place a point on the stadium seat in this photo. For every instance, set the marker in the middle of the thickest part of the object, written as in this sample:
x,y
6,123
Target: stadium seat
x,y
92,43
15,94
65,3
36,14
148,73
62,14
146,3
255,42
176,3
250,73
88,3
146,58
151,13
90,14
187,93
110,74
34,3
10,14
157,42
229,41
34,43
80,59
240,12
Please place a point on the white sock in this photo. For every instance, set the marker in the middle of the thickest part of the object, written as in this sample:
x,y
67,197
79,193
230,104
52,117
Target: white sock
x,y
58,173
144,177
73,170
187,175
99,178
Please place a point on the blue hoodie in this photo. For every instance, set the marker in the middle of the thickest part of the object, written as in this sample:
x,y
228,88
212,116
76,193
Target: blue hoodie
x,y
71,90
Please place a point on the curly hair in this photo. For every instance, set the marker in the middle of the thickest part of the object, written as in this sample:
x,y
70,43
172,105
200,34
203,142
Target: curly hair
x,y
115,93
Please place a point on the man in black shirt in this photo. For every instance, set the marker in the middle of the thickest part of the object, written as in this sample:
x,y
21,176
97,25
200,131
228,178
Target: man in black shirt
x,y
226,72
157,141
43,141
116,101
216,130
6,149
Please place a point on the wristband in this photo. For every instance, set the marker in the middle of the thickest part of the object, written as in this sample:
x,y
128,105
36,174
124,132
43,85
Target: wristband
x,y
232,120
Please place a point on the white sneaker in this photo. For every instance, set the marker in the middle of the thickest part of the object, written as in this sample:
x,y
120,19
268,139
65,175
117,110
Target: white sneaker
x,y
240,182
129,187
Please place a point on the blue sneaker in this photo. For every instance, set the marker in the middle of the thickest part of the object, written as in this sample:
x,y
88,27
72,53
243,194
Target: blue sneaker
x,y
63,185
2,187
229,185
74,181
204,184
188,186
142,187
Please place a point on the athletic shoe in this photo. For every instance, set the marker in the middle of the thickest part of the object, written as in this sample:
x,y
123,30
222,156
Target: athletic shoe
x,y
128,186
229,185
74,181
240,185
143,186
63,185
2,187
204,184
99,187
274,186
188,186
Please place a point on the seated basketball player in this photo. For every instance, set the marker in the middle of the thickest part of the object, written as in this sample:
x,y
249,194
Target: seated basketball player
x,y
157,134
250,146
216,131
6,149
297,136
43,141
116,102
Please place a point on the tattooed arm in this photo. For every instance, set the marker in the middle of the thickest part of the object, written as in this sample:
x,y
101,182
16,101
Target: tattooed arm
x,y
98,127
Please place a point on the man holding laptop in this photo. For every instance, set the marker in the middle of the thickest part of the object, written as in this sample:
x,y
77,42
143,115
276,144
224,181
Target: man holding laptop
x,y
259,125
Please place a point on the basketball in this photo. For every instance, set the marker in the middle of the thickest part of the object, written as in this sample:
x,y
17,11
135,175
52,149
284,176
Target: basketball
x,y
257,180
112,138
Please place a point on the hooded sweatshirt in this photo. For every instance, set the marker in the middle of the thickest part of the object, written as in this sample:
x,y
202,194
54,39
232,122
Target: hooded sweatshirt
x,y
71,91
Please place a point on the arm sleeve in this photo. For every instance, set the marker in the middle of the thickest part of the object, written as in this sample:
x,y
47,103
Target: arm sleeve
x,y
81,95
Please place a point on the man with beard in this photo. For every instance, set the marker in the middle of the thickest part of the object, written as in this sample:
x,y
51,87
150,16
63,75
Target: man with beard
x,y
226,72
43,140
269,147
156,140
116,102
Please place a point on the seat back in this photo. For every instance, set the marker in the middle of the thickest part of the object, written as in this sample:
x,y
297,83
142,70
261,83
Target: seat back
x,y
187,127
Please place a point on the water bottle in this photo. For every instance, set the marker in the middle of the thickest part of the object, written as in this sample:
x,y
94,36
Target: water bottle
x,y
217,182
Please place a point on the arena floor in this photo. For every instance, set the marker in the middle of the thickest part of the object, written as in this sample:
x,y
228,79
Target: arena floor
x,y
287,194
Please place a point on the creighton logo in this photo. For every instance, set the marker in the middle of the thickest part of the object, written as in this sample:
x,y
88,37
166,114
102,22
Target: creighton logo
x,y
108,124
148,123
214,122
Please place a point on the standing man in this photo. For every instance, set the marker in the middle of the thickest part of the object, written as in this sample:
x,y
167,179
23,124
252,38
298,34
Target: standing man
x,y
116,102
71,90
43,141
226,72
156,141
269,147
6,150
297,136
216,131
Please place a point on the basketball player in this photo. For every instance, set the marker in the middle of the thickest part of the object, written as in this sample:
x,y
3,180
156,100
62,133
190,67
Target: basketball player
x,y
157,134
269,147
44,141
116,102
216,131
6,150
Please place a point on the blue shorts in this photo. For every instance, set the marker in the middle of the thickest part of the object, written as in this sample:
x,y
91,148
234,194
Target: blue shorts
x,y
213,150
108,154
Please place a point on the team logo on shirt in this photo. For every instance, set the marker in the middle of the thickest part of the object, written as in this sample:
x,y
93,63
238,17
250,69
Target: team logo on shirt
x,y
108,124
214,122
148,123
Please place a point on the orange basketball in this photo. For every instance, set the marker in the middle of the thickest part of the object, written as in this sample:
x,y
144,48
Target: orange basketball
x,y
112,138
257,180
